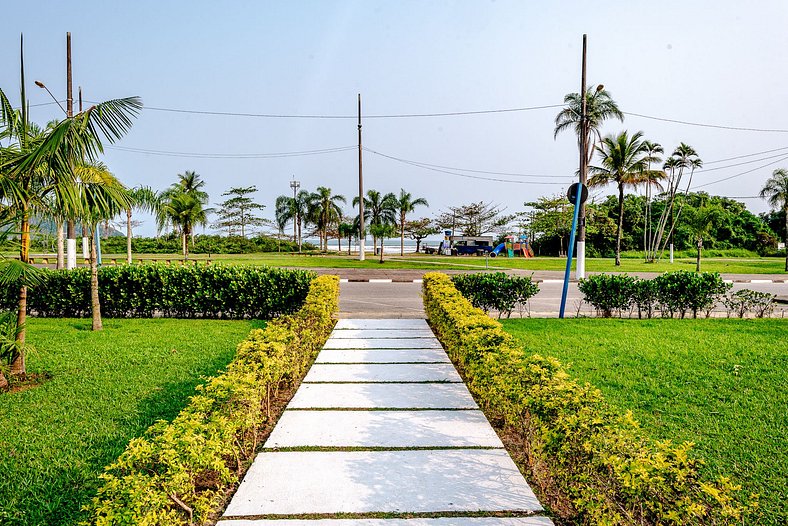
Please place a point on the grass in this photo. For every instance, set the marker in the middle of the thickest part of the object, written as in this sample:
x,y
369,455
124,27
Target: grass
x,y
718,383
731,265
106,388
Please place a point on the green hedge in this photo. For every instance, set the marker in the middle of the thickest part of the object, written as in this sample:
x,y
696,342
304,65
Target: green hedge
x,y
590,464
190,463
190,291
496,290
203,244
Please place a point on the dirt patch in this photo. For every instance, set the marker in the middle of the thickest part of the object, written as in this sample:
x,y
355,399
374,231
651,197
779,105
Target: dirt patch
x,y
26,382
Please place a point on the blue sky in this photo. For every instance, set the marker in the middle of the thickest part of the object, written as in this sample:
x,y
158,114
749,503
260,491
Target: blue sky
x,y
719,63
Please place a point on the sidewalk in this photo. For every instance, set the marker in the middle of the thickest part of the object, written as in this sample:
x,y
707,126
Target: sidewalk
x,y
383,426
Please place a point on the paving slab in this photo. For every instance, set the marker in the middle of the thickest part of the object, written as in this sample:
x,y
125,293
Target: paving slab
x,y
366,323
384,343
383,372
391,429
416,481
382,396
381,333
381,356
441,521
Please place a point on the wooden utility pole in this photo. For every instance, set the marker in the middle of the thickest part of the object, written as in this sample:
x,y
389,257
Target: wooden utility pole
x,y
71,235
361,232
580,269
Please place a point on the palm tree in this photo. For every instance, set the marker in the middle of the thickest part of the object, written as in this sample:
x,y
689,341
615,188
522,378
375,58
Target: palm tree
x,y
623,162
699,223
191,184
323,211
44,164
652,151
295,210
775,191
347,230
378,209
405,204
144,199
182,212
381,231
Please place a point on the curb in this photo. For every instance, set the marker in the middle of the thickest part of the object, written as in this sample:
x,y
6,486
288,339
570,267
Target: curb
x,y
389,280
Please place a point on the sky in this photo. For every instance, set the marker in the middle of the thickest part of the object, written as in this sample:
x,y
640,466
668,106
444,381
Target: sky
x,y
718,63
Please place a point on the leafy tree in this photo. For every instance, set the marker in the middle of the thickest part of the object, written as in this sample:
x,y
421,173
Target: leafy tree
x,y
551,217
379,209
405,205
144,199
295,210
236,213
475,219
382,231
346,230
191,185
324,211
775,191
699,221
34,166
623,162
182,211
419,229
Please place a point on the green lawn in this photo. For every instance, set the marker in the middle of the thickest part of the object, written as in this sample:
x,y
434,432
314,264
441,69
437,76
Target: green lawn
x,y
427,262
719,383
106,388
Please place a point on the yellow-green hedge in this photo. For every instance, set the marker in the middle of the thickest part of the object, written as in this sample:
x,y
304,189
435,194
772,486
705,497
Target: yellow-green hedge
x,y
591,464
177,474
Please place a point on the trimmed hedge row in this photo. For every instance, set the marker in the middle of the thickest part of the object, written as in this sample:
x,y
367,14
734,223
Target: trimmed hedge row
x,y
592,465
144,291
496,290
178,473
672,293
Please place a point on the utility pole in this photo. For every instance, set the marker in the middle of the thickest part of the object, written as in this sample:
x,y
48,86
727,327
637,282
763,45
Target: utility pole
x,y
361,232
580,269
295,185
71,235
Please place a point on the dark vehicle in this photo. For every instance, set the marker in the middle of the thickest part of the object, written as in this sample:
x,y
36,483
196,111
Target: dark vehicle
x,y
471,246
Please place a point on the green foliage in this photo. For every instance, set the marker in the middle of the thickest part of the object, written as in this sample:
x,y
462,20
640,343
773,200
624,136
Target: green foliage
x,y
676,293
203,244
741,302
189,291
592,465
496,291
193,459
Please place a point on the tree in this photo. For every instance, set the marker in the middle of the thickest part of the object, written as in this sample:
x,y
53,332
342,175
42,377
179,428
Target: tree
x,y
623,162
405,204
775,191
144,199
236,213
419,229
324,211
190,184
378,209
44,164
295,210
551,217
382,231
475,219
181,211
346,230
600,107
652,151
700,221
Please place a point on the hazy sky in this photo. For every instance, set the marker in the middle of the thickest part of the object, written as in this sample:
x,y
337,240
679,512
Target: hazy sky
x,y
713,62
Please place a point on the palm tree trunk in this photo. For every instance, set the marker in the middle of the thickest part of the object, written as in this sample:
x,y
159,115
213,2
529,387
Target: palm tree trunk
x,y
184,244
786,238
18,363
3,382
381,248
350,238
620,223
60,251
95,305
700,248
299,235
128,236
402,235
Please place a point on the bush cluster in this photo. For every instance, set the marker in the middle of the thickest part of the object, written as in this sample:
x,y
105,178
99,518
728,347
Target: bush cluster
x,y
144,291
203,244
496,291
741,302
672,293
592,465
178,472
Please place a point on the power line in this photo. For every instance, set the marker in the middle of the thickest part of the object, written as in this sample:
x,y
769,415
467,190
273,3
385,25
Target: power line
x,y
746,155
741,173
739,164
702,125
425,167
199,155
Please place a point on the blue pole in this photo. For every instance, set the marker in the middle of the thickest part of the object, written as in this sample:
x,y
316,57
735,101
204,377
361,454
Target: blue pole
x,y
570,250
98,245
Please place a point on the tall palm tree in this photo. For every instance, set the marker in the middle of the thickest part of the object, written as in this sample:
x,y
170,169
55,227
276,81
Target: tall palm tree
x,y
324,211
775,191
144,199
653,150
191,184
378,209
71,141
405,204
295,210
600,107
623,162
347,230
699,223
182,212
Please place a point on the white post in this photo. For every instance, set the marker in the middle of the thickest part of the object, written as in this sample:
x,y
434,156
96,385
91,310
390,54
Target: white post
x,y
671,252
361,254
71,253
580,269
85,247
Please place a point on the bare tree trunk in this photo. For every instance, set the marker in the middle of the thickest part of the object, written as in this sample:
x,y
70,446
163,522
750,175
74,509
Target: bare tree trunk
x,y
61,260
786,238
128,236
350,240
381,248
95,305
18,363
620,223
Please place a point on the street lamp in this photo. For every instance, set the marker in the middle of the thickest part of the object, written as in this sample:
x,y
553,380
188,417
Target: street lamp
x,y
295,185
43,86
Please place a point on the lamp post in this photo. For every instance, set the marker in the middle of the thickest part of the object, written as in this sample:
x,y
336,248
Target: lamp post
x,y
295,185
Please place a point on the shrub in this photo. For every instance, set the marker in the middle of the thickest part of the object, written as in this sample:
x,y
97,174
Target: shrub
x,y
144,291
592,464
681,291
743,301
608,292
645,297
178,473
203,244
496,291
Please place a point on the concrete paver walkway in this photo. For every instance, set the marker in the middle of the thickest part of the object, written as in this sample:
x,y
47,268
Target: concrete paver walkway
x,y
383,425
